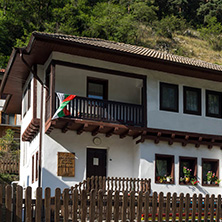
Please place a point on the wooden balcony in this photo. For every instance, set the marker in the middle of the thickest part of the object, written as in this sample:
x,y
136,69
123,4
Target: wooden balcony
x,y
107,115
104,111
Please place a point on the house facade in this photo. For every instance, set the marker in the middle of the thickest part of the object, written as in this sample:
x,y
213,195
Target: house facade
x,y
134,112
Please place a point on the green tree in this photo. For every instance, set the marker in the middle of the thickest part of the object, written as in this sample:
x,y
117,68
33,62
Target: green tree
x,y
9,147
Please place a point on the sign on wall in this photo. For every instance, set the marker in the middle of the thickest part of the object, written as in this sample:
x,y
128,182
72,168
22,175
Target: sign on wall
x,y
66,164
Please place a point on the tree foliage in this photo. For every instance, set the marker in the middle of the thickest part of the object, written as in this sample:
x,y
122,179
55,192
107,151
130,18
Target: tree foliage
x,y
118,20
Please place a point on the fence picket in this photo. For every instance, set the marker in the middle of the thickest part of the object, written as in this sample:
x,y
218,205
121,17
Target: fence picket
x,y
66,205
160,214
116,206
194,207
168,198
38,208
139,206
218,209
83,205
47,204
8,203
199,207
154,206
57,204
147,205
125,204
181,207
92,206
212,207
187,207
109,206
174,207
206,206
19,201
100,206
28,204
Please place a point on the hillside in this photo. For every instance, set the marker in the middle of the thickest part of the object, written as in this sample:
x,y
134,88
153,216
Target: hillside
x,y
183,27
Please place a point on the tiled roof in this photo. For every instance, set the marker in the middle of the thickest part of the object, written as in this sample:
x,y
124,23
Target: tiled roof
x,y
131,49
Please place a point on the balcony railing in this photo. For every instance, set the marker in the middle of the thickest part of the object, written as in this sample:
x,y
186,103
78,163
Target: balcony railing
x,y
104,110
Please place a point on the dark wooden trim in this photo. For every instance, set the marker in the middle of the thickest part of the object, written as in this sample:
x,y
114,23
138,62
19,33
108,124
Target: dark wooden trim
x,y
35,98
103,82
172,173
31,130
216,161
199,97
36,165
208,92
144,101
33,169
52,90
98,69
175,87
194,170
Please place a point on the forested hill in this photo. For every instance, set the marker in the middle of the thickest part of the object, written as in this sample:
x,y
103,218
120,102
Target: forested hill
x,y
190,28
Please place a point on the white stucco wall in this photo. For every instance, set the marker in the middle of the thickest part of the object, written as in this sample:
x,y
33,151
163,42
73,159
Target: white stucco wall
x,y
74,81
120,156
148,149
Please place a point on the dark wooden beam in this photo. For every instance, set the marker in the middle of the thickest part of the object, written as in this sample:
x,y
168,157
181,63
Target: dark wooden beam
x,y
66,127
97,130
82,128
110,132
124,134
140,134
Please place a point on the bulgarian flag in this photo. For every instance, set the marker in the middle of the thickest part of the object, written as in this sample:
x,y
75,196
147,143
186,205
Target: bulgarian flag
x,y
64,100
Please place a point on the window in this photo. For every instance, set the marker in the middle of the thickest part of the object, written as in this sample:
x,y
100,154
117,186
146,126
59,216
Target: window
x,y
36,165
210,172
27,99
188,169
7,118
213,103
192,100
169,97
97,88
164,169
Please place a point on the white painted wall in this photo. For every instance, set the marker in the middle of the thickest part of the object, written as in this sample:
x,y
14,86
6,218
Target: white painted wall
x,y
148,149
120,156
74,81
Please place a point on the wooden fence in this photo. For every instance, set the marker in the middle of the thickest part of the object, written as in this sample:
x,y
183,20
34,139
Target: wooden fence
x,y
9,166
120,184
113,206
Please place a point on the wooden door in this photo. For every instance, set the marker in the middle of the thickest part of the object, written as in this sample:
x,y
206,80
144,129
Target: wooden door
x,y
96,162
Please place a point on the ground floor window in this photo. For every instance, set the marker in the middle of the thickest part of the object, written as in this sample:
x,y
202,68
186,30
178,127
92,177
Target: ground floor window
x,y
164,169
210,172
188,170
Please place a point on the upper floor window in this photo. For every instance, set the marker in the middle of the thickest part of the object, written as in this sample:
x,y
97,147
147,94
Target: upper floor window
x,y
192,100
169,97
97,88
213,103
27,99
8,119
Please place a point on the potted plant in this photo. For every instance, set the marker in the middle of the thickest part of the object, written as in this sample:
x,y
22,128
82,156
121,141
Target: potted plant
x,y
194,181
168,179
209,177
217,182
186,173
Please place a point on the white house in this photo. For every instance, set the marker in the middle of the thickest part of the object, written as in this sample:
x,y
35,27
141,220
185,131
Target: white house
x,y
135,112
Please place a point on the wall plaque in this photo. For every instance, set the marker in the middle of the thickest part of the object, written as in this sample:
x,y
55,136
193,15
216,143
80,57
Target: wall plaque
x,y
66,164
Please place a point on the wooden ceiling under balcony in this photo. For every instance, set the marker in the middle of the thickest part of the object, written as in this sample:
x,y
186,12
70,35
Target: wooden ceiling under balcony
x,y
139,134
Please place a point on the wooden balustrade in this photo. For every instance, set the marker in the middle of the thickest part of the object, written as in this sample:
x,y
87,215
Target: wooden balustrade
x,y
9,166
115,184
104,110
110,206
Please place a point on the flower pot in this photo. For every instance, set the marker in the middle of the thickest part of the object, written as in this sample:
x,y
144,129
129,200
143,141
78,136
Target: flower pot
x,y
208,182
158,178
187,179
168,180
